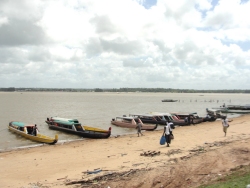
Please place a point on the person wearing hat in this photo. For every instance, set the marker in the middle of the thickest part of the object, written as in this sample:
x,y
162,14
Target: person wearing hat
x,y
225,125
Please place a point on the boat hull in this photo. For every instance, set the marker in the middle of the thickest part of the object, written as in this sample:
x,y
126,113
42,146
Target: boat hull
x,y
89,132
179,119
238,107
162,122
38,138
210,119
133,126
215,113
228,111
153,121
236,111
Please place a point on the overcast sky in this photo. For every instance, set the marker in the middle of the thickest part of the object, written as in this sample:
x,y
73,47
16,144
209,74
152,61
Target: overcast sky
x,y
194,44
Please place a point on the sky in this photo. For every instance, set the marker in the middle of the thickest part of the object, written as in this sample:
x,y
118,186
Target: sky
x,y
194,44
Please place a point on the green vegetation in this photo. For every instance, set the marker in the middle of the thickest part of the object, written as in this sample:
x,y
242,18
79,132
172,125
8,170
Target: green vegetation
x,y
238,179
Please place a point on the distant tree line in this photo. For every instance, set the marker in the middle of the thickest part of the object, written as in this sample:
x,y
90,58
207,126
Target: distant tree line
x,y
7,89
155,90
170,90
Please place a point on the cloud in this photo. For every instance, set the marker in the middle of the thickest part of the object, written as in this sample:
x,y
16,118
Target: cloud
x,y
20,32
3,21
199,44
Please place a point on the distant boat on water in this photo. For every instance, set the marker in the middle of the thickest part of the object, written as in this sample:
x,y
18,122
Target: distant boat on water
x,y
169,100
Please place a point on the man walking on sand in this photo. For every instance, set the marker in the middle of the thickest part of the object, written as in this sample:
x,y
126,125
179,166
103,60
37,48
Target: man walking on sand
x,y
168,132
138,127
225,125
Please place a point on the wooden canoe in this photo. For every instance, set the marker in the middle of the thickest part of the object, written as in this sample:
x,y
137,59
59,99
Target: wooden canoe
x,y
73,126
24,130
131,122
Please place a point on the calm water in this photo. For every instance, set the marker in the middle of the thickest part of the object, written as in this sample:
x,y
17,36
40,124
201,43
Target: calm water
x,y
95,109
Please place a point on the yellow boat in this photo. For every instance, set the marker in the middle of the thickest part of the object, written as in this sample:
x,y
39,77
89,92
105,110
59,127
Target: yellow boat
x,y
26,130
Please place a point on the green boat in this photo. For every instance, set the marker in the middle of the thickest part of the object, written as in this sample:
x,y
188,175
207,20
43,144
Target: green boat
x,y
73,126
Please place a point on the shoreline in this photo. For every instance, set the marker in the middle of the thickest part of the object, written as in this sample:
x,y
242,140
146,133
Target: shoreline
x,y
160,127
48,163
61,142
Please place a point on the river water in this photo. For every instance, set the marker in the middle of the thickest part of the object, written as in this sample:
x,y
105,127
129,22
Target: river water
x,y
96,109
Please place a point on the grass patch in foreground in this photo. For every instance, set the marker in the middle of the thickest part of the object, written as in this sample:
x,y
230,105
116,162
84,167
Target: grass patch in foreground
x,y
240,178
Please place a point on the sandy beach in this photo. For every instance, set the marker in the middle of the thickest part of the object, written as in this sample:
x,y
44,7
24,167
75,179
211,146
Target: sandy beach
x,y
56,165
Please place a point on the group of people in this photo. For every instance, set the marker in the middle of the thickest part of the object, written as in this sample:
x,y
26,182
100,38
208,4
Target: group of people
x,y
168,132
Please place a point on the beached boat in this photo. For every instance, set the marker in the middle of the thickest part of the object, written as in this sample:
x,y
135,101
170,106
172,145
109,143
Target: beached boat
x,y
215,112
239,107
170,117
187,118
209,118
151,119
73,126
183,115
169,100
26,130
192,118
131,122
229,111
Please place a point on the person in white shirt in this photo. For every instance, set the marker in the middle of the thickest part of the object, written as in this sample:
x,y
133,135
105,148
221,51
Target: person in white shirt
x,y
225,125
168,132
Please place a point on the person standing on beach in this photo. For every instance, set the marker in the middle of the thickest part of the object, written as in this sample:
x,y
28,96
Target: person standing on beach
x,y
138,127
225,125
168,133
